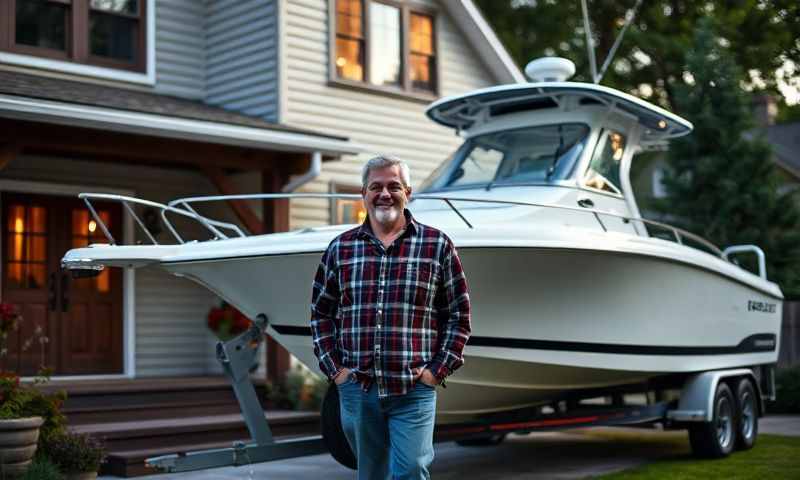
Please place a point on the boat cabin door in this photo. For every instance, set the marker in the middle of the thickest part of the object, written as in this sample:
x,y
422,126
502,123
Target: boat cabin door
x,y
601,182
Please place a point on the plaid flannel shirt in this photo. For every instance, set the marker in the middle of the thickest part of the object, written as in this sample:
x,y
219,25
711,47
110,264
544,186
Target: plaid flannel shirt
x,y
383,312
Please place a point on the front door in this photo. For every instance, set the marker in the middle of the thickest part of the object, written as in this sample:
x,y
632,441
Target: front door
x,y
72,326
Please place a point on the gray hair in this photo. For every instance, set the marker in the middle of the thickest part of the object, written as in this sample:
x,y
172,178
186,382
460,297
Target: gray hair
x,y
383,161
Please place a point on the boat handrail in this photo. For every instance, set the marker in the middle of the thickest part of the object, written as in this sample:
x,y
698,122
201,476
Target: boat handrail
x,y
182,207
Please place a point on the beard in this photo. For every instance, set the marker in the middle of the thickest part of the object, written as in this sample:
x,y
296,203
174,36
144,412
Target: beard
x,y
387,216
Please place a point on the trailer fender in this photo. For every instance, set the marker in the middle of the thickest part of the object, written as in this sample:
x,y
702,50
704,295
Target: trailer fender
x,y
696,402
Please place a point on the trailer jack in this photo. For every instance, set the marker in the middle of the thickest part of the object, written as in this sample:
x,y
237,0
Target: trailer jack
x,y
236,356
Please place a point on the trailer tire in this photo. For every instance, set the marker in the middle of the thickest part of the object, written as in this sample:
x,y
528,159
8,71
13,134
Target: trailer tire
x,y
332,433
488,441
717,438
746,414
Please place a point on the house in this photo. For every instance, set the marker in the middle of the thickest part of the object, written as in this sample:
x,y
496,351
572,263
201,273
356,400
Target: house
x,y
174,98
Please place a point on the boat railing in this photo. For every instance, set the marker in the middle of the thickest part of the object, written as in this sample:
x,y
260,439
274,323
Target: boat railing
x,y
183,207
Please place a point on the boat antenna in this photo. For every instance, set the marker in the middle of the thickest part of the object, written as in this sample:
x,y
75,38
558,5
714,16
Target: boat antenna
x,y
587,28
628,20
629,15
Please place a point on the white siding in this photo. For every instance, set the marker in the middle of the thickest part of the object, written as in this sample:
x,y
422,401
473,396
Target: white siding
x,y
171,333
241,56
383,124
180,48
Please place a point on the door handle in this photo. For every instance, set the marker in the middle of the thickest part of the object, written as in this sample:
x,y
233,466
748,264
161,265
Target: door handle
x,y
51,292
64,292
586,203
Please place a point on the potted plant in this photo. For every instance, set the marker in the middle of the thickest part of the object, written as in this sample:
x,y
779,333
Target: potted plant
x,y
77,456
27,414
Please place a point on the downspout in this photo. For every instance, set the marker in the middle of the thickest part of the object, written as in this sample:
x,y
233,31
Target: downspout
x,y
297,181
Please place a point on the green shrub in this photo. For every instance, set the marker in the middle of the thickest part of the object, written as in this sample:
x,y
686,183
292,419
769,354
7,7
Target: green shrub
x,y
75,453
787,392
299,389
42,469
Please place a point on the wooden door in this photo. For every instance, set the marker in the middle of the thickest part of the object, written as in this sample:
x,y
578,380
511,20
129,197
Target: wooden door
x,y
73,326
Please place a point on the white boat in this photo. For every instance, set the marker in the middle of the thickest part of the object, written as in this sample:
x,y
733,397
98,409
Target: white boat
x,y
571,289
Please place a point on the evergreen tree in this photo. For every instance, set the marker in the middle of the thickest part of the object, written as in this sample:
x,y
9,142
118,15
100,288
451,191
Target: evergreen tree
x,y
720,183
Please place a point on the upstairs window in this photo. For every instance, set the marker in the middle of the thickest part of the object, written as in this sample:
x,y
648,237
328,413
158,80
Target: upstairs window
x,y
389,46
107,33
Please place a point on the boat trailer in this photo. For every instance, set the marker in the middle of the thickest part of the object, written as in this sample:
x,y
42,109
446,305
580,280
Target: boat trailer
x,y
695,409
237,356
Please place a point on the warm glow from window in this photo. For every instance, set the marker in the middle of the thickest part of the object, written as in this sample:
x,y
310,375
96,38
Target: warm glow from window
x,y
617,146
19,225
92,226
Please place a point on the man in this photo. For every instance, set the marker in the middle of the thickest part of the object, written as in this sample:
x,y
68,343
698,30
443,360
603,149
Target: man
x,y
390,316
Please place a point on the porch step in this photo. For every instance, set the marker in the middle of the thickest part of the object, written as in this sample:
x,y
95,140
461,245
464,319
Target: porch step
x,y
92,402
149,417
130,443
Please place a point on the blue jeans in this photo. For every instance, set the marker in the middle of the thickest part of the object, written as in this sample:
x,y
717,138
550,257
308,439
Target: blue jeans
x,y
393,437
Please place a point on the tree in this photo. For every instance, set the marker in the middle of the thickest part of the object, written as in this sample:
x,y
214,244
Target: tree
x,y
719,183
762,34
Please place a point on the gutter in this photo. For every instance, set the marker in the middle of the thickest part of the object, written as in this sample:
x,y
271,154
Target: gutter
x,y
297,181
60,113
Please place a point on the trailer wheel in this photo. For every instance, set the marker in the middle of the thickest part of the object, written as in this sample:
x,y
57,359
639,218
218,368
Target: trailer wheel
x,y
332,433
487,441
747,415
717,438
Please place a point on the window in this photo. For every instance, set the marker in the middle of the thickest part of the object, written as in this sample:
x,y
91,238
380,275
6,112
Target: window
x,y
345,211
603,172
385,45
524,156
26,241
106,33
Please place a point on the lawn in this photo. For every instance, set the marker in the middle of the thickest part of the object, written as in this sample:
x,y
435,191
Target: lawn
x,y
773,457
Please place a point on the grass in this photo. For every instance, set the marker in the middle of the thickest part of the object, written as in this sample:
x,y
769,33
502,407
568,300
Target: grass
x,y
773,457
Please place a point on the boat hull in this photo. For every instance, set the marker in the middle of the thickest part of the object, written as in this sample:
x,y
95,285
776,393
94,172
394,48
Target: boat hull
x,y
545,320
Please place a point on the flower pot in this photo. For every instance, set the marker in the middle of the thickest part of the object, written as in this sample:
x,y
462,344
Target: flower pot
x,y
18,439
80,476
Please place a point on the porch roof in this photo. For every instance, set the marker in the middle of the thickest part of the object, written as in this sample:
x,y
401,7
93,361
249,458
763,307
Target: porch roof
x,y
54,100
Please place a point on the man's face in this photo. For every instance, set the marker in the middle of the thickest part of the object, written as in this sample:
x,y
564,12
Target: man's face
x,y
385,196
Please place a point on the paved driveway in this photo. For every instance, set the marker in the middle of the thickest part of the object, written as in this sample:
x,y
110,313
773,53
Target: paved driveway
x,y
567,455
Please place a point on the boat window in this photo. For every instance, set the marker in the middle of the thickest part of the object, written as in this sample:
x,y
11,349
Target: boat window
x,y
531,155
603,172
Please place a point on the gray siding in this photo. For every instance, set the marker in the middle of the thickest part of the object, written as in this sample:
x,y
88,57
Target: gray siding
x,y
170,312
241,56
180,48
380,123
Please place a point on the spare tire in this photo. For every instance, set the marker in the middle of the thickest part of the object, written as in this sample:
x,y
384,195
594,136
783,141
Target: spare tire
x,y
332,433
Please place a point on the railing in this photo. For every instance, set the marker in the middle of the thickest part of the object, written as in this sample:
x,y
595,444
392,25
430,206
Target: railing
x,y
183,207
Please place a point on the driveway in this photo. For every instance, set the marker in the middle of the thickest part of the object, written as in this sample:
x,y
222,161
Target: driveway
x,y
557,455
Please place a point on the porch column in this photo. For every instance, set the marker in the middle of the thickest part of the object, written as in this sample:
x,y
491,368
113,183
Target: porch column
x,y
275,219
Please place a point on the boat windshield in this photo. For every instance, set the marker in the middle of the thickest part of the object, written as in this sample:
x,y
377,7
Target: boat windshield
x,y
530,155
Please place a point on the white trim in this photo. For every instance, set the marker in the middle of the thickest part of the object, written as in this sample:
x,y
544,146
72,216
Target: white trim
x,y
128,276
24,108
475,28
283,61
147,78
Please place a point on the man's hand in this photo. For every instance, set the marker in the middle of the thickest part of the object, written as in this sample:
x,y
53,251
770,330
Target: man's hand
x,y
425,376
342,376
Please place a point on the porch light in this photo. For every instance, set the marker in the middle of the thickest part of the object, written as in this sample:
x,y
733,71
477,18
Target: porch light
x,y
92,226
